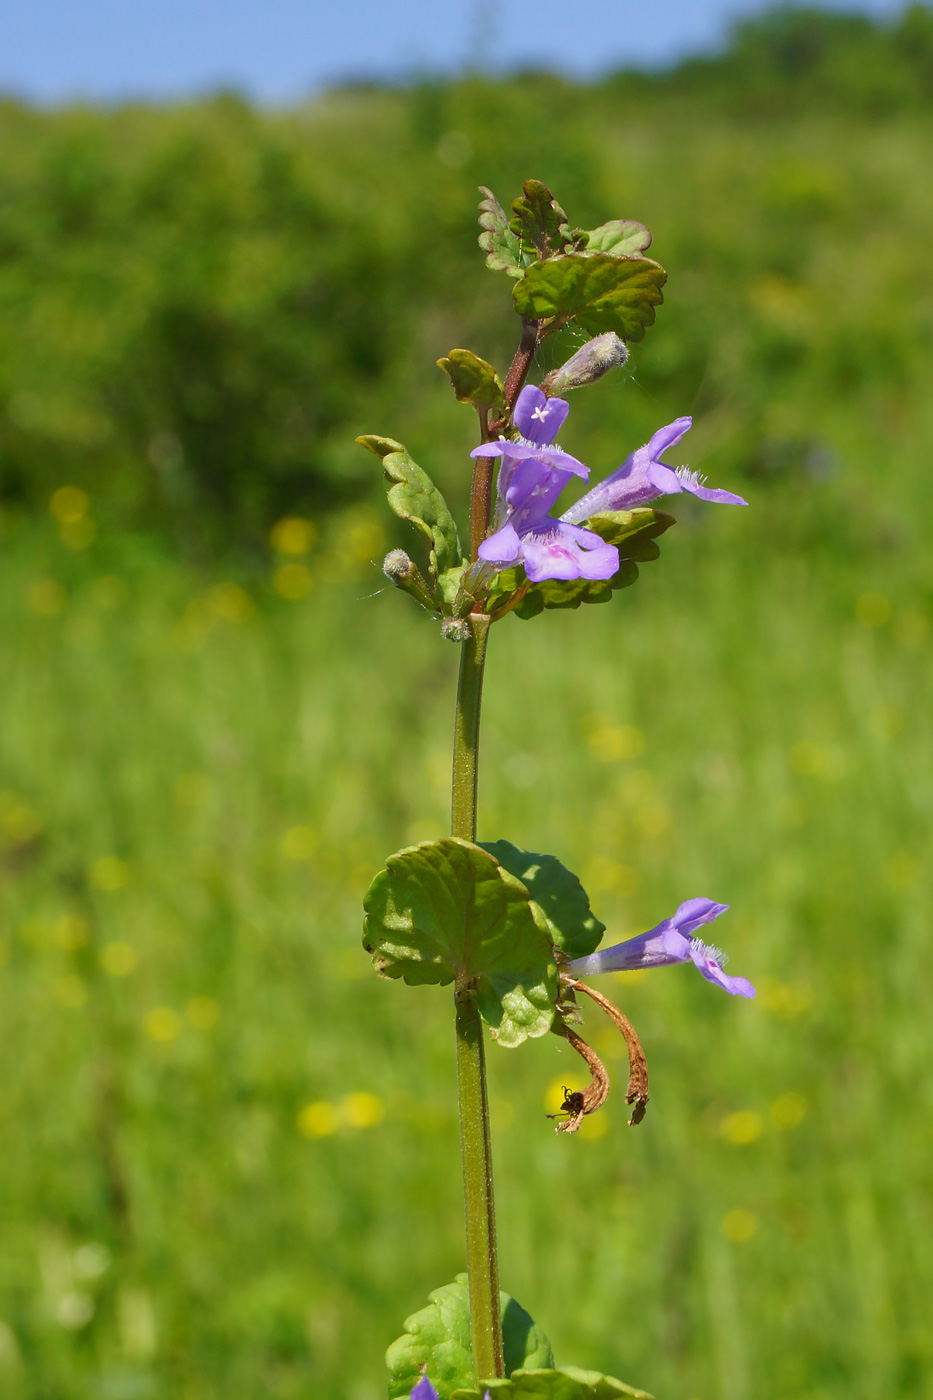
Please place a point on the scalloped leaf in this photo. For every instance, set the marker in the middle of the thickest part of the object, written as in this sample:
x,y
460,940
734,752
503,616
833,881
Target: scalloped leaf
x,y
563,901
438,1337
633,532
601,292
538,221
622,238
474,380
503,250
565,1383
446,909
414,497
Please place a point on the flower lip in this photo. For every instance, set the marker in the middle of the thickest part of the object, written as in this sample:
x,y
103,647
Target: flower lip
x,y
538,418
526,450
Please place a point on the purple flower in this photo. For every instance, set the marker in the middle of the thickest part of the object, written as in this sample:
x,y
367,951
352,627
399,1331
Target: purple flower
x,y
424,1390
643,477
532,475
672,941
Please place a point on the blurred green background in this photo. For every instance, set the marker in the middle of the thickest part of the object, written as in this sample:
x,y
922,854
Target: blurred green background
x,y
230,1164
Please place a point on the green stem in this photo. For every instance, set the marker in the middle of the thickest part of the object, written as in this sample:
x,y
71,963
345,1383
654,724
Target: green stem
x,y
466,729
475,1143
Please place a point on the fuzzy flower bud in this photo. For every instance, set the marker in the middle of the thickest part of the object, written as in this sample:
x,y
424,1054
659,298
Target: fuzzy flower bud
x,y
455,629
397,565
591,362
404,573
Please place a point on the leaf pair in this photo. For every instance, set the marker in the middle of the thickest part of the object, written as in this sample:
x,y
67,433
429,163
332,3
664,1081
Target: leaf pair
x,y
484,917
438,1337
633,532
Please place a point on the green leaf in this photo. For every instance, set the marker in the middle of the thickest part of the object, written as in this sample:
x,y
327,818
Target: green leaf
x,y
474,380
620,237
413,496
563,902
602,292
566,1383
503,250
538,221
633,532
448,584
446,909
439,1337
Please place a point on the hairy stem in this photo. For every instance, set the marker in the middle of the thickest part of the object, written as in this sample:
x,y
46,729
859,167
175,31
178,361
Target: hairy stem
x,y
478,1198
480,502
518,370
475,1144
466,729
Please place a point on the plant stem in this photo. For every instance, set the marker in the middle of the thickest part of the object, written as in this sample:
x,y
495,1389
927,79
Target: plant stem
x,y
521,364
466,729
475,1143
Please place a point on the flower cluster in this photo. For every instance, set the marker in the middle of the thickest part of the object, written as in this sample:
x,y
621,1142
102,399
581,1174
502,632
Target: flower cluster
x,y
671,941
534,472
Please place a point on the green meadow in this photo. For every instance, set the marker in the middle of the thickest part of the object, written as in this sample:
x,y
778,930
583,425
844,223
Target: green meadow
x,y
230,1164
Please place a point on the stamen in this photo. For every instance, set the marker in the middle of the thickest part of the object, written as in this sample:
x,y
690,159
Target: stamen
x,y
710,951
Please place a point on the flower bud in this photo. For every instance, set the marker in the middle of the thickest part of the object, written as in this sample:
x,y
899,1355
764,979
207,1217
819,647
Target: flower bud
x,y
591,362
404,573
397,565
455,629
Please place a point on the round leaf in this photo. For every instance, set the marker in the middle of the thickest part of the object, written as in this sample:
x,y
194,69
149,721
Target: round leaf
x,y
563,902
447,910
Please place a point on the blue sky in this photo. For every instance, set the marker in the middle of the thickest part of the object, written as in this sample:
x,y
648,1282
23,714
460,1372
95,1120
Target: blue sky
x,y
282,50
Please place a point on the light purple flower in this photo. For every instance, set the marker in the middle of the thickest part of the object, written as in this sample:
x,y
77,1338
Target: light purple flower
x,y
643,477
532,475
672,941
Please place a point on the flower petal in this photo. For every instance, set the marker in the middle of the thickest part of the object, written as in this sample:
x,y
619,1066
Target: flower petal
x,y
710,493
554,457
710,967
504,547
553,550
538,418
668,436
695,912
